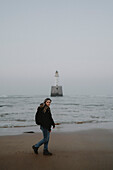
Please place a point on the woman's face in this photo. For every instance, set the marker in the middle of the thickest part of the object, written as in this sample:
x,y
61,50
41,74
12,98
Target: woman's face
x,y
48,102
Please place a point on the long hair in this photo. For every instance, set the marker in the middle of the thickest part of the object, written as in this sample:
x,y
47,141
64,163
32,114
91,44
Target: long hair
x,y
46,100
45,106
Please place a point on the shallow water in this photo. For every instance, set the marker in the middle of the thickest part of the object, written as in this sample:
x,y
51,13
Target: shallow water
x,y
19,111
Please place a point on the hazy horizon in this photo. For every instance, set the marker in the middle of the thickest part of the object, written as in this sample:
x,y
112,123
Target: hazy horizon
x,y
74,37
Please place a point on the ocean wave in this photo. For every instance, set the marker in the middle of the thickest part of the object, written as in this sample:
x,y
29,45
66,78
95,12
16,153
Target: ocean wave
x,y
67,104
75,104
82,122
5,105
16,126
3,96
4,114
20,120
94,117
20,110
15,96
94,105
57,124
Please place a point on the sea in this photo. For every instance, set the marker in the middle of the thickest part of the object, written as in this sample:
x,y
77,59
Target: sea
x,y
70,113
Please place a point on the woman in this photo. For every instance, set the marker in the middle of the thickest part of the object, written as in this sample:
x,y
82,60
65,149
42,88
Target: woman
x,y
45,121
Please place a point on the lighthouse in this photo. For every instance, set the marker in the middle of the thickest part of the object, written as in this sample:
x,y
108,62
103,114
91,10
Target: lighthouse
x,y
56,90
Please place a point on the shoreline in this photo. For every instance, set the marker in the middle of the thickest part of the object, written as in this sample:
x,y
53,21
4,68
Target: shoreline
x,y
59,128
88,149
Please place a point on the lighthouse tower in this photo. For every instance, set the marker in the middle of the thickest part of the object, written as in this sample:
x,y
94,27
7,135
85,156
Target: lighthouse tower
x,y
56,90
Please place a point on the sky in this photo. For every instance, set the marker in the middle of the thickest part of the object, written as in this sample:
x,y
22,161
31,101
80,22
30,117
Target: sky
x,y
38,37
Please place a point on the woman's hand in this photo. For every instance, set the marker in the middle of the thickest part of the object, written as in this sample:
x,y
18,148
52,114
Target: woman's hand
x,y
53,126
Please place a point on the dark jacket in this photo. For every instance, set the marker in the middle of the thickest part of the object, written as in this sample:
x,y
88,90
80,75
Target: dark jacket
x,y
44,118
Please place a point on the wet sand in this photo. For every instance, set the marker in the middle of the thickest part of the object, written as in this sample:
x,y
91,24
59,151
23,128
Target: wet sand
x,y
82,150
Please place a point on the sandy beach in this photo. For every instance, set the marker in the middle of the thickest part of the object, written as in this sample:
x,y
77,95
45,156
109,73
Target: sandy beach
x,y
82,150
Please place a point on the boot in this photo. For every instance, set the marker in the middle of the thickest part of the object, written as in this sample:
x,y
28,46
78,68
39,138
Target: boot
x,y
35,149
46,152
